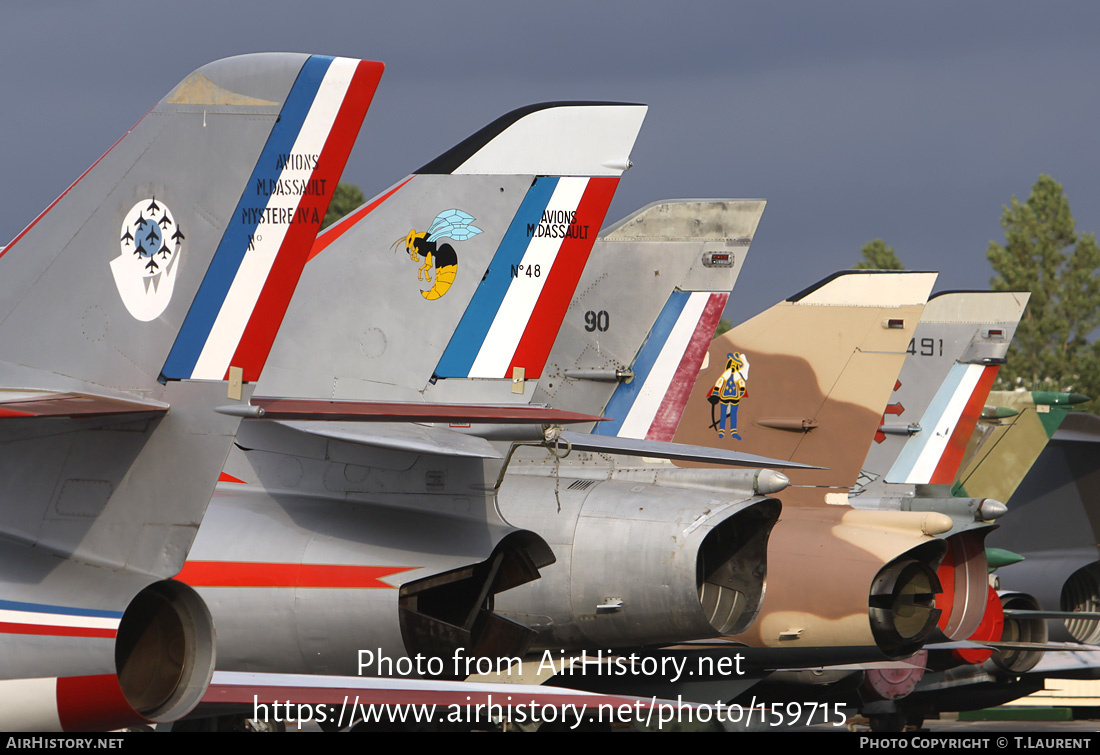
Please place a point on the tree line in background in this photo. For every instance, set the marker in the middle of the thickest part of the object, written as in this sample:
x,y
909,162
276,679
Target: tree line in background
x,y
1042,253
346,198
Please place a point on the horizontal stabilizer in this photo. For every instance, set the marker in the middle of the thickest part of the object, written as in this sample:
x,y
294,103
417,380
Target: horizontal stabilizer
x,y
657,449
413,438
46,404
398,411
1065,615
1046,647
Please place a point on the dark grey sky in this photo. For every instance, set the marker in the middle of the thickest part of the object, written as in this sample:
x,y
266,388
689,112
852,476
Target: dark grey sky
x,y
856,120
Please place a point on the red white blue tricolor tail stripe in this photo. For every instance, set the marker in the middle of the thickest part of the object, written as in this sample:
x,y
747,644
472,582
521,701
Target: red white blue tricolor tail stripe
x,y
933,455
244,295
516,312
650,406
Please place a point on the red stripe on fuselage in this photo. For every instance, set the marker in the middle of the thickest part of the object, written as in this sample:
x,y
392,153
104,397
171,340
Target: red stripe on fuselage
x,y
267,316
253,574
546,318
56,631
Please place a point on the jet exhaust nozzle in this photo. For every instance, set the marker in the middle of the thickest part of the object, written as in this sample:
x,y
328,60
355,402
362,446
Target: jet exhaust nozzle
x,y
164,654
1081,594
1020,629
903,604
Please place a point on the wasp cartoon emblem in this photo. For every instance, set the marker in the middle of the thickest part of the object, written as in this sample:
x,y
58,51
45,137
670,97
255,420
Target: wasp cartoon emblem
x,y
727,393
440,260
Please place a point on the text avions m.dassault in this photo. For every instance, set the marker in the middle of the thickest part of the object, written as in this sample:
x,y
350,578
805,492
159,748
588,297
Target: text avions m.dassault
x,y
557,224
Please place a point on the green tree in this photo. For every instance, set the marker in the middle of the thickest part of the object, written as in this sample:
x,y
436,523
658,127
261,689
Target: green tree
x,y
723,326
346,198
878,256
1044,254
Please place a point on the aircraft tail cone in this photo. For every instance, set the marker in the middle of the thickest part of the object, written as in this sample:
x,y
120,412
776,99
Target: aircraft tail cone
x,y
991,509
770,482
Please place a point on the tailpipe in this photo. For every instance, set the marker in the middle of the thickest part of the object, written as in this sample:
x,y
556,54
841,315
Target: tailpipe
x,y
903,604
1020,629
164,651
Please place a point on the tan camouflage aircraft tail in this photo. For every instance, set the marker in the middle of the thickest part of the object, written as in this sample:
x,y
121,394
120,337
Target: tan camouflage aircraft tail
x,y
809,378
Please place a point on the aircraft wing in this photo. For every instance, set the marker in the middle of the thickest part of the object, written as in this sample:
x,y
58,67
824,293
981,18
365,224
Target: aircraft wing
x,y
408,436
336,419
50,404
405,411
657,449
1044,647
1068,666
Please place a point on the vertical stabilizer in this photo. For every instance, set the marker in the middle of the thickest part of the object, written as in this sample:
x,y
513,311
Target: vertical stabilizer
x,y
953,358
807,379
457,278
645,310
102,290
162,272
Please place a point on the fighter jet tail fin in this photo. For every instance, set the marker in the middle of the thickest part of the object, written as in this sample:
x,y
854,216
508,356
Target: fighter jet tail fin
x,y
172,258
175,254
1003,448
162,272
952,360
647,306
457,278
807,380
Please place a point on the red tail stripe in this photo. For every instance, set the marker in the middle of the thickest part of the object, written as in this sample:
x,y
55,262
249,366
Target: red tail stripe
x,y
259,334
676,397
990,630
542,328
948,465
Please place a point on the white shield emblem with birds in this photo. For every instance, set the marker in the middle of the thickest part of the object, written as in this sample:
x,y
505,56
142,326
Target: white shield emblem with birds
x,y
145,271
